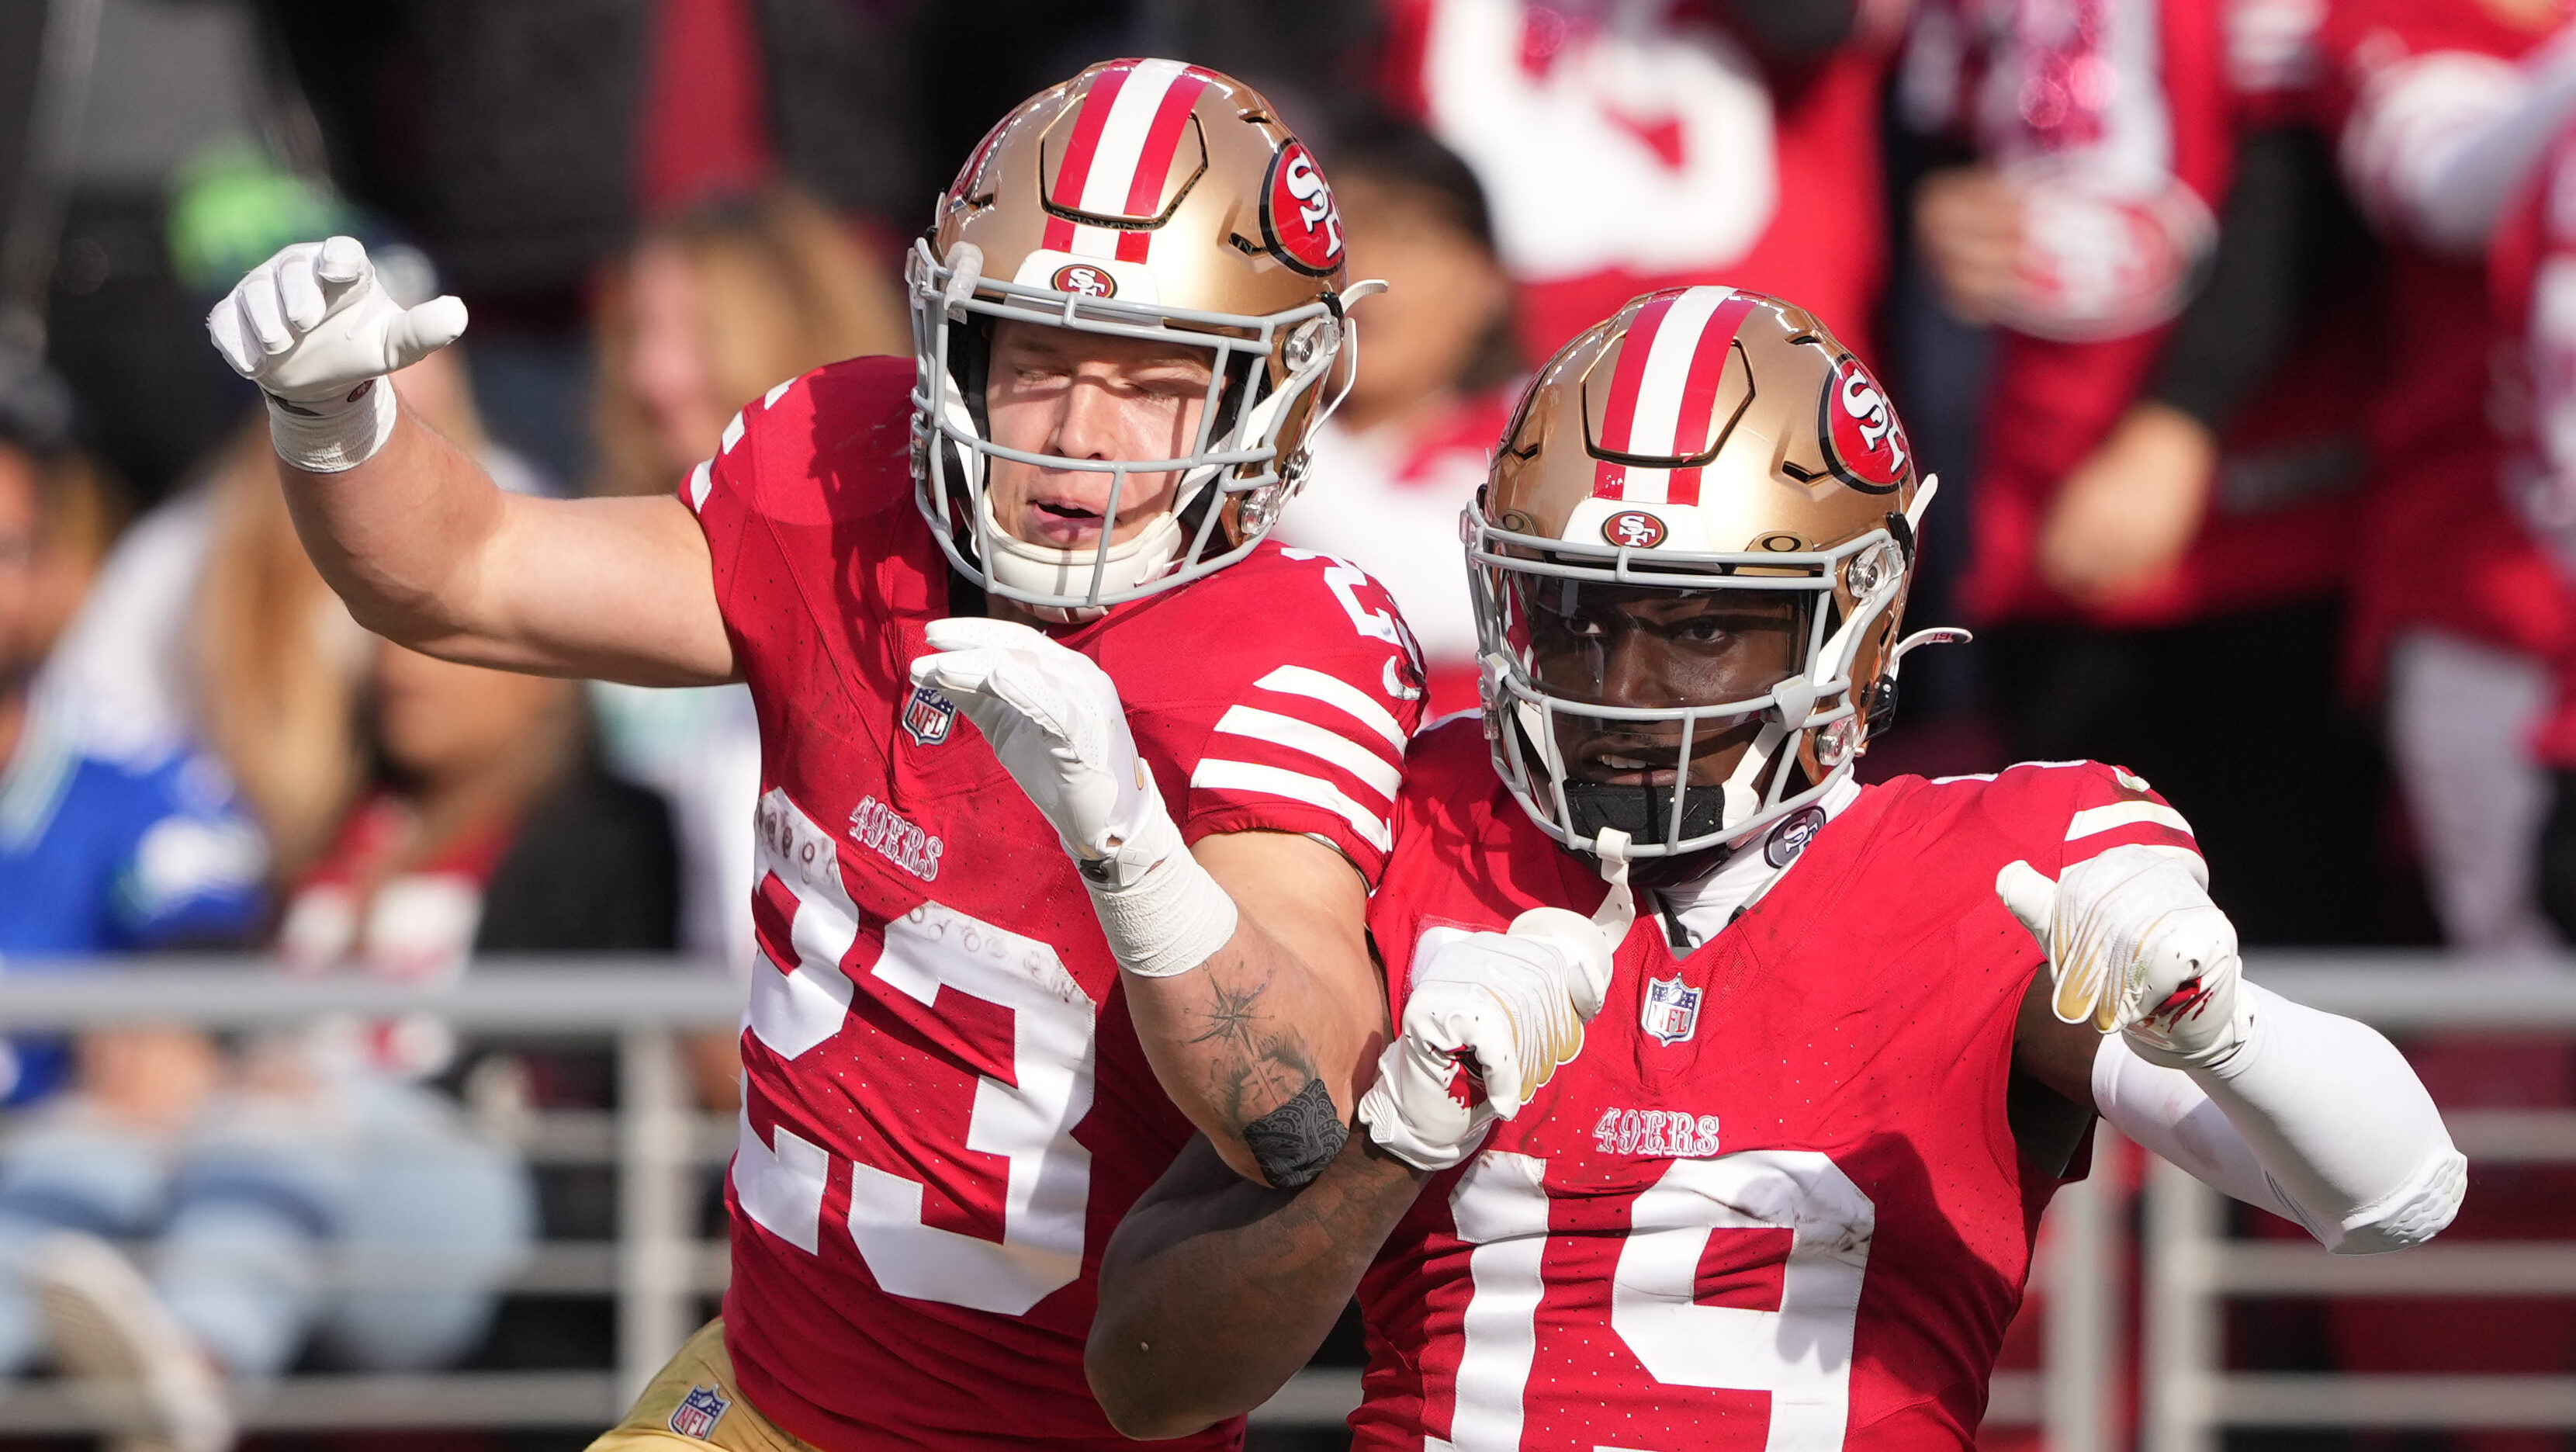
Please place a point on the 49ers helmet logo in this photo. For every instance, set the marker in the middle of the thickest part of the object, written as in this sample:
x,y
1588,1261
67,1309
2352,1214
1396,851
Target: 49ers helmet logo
x,y
1084,279
1633,529
1863,441
1298,218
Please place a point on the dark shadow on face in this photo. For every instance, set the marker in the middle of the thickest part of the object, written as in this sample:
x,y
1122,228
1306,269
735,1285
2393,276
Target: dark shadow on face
x,y
1657,648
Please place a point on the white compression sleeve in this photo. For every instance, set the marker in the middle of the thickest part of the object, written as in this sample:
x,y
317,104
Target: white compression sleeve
x,y
2173,1117
2317,1117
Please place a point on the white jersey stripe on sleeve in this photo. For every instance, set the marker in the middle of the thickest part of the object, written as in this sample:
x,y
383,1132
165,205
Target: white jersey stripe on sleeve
x,y
2081,855
1315,741
2121,814
1248,776
1336,692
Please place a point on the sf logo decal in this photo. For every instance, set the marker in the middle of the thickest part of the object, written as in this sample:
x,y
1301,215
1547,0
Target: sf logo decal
x,y
1084,280
1866,443
1633,529
1298,216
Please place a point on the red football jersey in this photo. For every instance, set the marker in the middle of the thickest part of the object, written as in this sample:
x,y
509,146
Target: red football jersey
x,y
945,1106
1625,148
2438,545
2276,528
1775,1201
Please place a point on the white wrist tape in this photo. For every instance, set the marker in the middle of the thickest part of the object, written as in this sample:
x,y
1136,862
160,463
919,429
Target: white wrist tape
x,y
1168,921
336,434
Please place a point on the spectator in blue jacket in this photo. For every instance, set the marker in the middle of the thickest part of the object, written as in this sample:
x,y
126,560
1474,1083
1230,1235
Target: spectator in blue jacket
x,y
110,843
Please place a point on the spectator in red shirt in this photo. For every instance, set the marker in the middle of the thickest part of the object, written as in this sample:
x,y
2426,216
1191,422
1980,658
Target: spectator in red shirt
x,y
1628,147
2158,514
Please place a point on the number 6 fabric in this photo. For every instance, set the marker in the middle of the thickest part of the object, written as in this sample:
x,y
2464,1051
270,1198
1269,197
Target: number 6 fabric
x,y
945,1106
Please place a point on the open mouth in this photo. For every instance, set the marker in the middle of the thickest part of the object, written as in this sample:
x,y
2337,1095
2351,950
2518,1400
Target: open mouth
x,y
1627,762
1061,522
1633,761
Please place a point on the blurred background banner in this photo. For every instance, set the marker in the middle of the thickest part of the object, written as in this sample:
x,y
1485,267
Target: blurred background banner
x,y
2242,334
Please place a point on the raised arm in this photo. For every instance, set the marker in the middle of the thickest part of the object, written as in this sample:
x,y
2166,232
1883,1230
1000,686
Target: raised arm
x,y
1244,958
415,536
1245,961
2312,1116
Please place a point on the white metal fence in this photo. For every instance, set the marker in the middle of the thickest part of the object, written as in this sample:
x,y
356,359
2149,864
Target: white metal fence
x,y
2192,1268
664,1150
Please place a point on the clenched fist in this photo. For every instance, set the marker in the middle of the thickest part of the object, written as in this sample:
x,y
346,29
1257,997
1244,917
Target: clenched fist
x,y
1497,1011
2135,946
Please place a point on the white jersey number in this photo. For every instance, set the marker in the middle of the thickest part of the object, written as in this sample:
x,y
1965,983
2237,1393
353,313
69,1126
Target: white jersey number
x,y
1801,1353
1046,1181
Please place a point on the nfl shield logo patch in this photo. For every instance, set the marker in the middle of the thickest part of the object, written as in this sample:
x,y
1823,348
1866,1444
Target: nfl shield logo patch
x,y
927,716
1671,1013
699,1411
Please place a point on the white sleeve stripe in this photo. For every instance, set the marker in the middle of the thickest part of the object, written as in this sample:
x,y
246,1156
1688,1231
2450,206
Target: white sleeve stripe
x,y
700,480
1248,776
1336,692
2183,854
2121,814
1326,746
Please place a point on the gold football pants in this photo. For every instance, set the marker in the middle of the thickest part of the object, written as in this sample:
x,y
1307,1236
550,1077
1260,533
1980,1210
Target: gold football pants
x,y
694,1403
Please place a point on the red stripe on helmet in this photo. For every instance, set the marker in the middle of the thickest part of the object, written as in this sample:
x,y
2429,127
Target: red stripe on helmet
x,y
1074,171
1699,394
1154,163
1619,415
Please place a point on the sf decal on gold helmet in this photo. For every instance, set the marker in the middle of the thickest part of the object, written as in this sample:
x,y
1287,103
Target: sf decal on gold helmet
x,y
1690,565
1143,199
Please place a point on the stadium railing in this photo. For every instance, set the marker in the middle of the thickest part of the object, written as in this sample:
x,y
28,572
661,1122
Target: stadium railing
x,y
2192,1267
659,1271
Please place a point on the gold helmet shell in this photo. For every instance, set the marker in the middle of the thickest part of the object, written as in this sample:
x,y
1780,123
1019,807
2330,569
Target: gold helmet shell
x,y
1141,199
1701,439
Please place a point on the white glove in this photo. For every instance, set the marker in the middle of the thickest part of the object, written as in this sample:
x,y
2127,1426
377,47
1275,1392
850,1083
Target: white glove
x,y
315,329
1506,1010
2135,945
1054,719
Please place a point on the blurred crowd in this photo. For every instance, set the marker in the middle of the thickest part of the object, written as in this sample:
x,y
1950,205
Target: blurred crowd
x,y
2241,333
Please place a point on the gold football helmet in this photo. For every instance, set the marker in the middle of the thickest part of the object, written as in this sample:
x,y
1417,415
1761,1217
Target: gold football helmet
x,y
1142,199
1690,565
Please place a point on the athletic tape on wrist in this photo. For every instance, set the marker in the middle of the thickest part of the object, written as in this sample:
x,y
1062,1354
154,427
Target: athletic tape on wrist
x,y
1167,922
336,434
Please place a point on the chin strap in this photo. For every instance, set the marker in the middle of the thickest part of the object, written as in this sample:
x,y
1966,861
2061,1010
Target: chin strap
x,y
1619,910
1744,787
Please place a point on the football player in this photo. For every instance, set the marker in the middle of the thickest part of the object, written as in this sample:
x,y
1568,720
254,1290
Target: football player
x,y
1785,1195
1128,314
